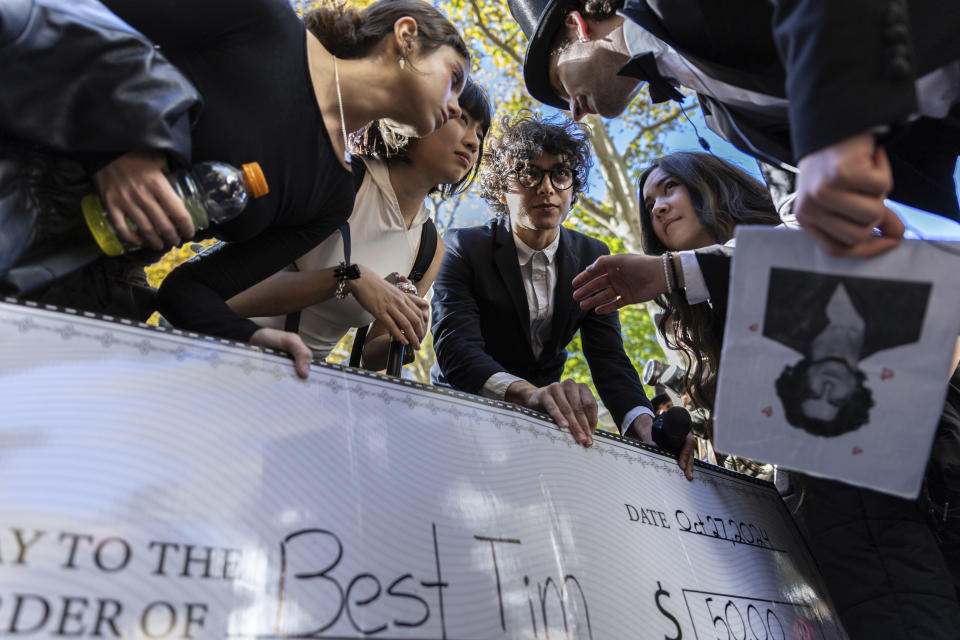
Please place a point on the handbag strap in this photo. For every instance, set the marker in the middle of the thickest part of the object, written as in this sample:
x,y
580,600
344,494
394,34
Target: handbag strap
x,y
358,169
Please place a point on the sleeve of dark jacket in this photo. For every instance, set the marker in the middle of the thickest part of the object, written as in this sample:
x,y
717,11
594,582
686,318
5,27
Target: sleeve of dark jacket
x,y
76,78
613,374
851,65
457,337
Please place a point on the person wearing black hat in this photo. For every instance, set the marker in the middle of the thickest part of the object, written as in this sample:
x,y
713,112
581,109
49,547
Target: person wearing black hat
x,y
777,92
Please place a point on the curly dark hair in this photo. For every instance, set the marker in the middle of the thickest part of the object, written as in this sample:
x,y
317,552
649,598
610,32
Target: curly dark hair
x,y
377,140
523,138
793,389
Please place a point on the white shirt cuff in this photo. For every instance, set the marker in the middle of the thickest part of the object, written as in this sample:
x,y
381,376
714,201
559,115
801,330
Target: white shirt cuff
x,y
693,283
496,385
631,416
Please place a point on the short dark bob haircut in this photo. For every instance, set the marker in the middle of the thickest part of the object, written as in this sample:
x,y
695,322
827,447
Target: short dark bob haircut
x,y
378,141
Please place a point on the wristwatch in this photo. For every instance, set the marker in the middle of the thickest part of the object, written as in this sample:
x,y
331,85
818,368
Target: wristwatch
x,y
342,273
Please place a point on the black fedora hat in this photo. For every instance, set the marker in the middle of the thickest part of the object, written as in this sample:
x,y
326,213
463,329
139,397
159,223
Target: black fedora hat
x,y
540,20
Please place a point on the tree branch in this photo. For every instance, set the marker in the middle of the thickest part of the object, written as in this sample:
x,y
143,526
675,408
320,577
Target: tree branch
x,y
503,46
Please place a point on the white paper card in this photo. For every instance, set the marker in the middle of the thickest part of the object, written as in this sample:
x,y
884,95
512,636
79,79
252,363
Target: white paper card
x,y
837,367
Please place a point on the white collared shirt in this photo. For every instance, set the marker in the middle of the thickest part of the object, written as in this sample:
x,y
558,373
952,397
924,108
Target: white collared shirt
x,y
538,271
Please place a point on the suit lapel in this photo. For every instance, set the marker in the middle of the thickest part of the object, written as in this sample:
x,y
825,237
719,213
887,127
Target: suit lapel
x,y
508,265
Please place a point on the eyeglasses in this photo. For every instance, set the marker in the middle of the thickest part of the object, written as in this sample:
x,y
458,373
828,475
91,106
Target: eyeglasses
x,y
531,176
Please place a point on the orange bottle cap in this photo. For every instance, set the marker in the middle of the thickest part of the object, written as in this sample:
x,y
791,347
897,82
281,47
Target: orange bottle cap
x,y
256,182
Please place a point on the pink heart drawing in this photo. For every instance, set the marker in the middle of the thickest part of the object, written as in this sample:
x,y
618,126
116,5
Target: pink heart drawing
x,y
754,327
886,374
857,450
767,411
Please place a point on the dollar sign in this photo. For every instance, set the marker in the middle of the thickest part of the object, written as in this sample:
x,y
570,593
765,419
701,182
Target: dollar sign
x,y
663,592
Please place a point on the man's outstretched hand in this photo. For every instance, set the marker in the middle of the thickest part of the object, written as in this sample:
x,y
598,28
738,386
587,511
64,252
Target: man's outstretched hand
x,y
840,195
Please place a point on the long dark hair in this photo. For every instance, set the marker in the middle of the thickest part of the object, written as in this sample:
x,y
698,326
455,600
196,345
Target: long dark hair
x,y
723,196
378,140
351,33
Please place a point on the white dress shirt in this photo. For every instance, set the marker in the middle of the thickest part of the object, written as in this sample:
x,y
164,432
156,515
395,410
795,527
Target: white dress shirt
x,y
538,271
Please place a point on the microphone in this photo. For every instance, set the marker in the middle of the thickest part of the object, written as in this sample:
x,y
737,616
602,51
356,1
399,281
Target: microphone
x,y
670,429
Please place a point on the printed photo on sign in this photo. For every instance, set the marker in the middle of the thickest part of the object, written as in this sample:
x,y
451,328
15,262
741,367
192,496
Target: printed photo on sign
x,y
834,322
837,367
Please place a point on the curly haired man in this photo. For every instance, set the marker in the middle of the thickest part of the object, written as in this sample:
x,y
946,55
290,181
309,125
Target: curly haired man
x,y
503,309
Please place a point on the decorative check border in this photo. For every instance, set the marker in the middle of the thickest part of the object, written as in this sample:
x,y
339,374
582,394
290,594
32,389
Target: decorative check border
x,y
245,357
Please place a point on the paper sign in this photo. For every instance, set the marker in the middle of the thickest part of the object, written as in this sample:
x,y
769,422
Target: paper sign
x,y
156,485
837,367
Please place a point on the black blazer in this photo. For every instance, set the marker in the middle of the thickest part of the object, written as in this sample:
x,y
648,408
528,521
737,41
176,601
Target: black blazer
x,y
481,323
791,48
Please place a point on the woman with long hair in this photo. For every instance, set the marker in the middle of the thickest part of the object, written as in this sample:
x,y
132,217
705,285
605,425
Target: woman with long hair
x,y
689,201
284,92
388,221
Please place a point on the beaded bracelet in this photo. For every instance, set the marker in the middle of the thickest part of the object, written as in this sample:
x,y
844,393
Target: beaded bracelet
x,y
667,260
673,272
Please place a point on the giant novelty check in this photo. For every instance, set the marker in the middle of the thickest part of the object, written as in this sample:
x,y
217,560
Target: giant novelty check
x,y
155,484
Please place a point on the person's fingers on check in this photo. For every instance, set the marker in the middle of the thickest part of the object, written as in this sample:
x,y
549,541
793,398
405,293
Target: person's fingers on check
x,y
549,404
590,406
288,342
574,398
686,457
559,397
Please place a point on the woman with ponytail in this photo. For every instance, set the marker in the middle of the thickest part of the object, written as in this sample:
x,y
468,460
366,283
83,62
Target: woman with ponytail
x,y
284,93
392,232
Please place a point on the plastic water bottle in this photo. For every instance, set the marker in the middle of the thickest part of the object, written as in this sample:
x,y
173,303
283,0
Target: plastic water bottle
x,y
212,192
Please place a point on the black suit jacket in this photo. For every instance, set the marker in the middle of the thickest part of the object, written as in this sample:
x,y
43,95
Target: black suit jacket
x,y
481,323
846,66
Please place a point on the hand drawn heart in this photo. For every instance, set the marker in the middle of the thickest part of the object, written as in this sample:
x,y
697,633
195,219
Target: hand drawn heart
x,y
754,327
857,450
767,411
886,374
